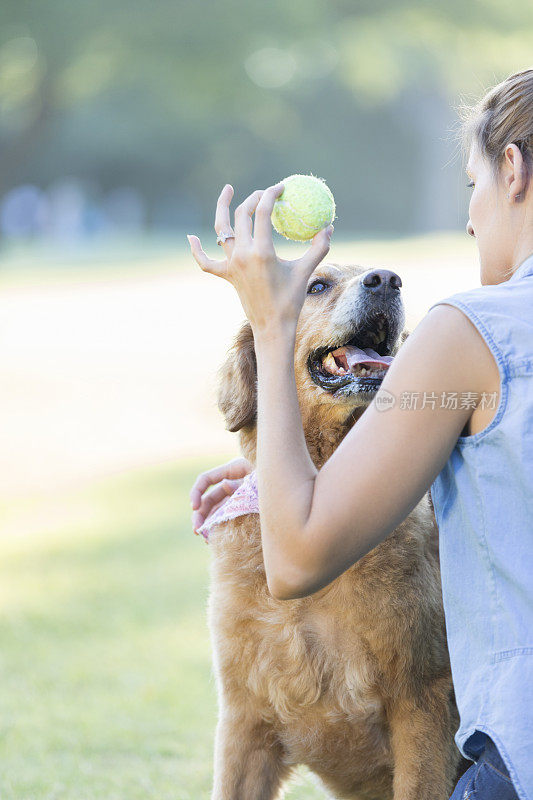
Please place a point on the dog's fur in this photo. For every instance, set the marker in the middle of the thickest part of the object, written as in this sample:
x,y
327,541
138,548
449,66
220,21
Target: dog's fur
x,y
353,681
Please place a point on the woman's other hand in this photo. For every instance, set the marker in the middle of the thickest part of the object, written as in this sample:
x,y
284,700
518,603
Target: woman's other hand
x,y
224,479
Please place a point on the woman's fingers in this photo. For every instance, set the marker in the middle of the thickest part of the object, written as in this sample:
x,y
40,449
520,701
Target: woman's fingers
x,y
234,469
222,218
243,217
263,214
214,499
318,250
219,268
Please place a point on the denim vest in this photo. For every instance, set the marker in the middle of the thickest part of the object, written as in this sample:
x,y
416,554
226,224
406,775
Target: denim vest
x,y
483,501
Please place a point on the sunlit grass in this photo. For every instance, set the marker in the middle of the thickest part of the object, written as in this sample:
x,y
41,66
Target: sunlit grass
x,y
104,261
105,663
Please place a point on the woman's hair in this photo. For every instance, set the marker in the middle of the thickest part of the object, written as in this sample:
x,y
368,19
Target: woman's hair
x,y
502,116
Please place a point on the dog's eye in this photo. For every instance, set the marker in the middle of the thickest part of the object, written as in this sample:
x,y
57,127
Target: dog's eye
x,y
316,287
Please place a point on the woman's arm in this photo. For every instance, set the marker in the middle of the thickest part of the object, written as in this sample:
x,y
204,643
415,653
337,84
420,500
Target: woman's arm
x,y
315,524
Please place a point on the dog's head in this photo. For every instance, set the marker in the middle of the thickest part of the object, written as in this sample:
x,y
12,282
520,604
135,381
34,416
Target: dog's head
x,y
347,310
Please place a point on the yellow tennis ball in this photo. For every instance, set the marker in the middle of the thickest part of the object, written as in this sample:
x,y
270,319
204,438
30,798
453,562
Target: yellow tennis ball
x,y
305,206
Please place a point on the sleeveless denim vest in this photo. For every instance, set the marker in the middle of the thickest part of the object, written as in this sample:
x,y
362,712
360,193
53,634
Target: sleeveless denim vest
x,y
483,501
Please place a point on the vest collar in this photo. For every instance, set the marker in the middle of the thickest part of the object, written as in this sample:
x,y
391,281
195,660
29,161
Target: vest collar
x,y
525,268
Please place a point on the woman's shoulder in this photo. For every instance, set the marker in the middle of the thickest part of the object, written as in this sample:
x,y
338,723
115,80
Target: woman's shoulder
x,y
501,314
452,333
487,299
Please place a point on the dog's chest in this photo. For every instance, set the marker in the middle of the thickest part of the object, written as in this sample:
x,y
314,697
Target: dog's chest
x,y
303,665
293,657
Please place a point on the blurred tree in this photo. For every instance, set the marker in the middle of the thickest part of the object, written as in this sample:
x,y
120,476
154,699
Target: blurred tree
x,y
177,98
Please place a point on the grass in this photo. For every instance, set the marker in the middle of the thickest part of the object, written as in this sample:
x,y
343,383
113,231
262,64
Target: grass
x,y
61,263
105,665
105,662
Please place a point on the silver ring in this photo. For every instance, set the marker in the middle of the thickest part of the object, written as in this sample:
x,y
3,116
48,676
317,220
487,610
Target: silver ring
x,y
221,238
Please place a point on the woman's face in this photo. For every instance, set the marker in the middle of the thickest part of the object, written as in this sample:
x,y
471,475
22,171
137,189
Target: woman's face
x,y
488,219
501,225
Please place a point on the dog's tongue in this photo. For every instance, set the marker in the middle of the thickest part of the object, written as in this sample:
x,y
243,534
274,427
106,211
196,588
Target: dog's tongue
x,y
355,356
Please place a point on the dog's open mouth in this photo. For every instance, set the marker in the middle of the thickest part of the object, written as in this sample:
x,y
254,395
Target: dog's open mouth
x,y
358,365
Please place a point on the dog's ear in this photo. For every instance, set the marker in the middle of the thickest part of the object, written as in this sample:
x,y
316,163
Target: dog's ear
x,y
237,387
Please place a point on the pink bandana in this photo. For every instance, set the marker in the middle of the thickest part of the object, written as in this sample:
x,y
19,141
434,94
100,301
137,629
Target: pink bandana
x,y
244,500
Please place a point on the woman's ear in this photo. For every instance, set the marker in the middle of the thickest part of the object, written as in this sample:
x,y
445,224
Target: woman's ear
x,y
516,173
237,389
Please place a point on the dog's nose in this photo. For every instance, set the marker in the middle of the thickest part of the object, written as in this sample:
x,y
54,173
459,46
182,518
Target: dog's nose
x,y
382,282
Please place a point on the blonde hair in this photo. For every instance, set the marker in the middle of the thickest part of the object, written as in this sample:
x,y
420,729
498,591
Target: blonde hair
x,y
503,116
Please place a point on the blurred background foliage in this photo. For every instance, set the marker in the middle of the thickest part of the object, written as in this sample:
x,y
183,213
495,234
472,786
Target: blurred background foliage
x,y
119,115
119,124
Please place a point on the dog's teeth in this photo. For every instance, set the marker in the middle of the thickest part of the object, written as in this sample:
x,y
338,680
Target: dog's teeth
x,y
330,364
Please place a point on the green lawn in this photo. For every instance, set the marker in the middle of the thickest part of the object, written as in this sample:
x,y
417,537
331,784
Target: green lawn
x,y
105,667
103,261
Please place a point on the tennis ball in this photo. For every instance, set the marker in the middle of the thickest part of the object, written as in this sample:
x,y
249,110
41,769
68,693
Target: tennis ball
x,y
305,206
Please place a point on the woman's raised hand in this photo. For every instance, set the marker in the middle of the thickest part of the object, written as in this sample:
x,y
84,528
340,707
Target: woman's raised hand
x,y
224,479
271,289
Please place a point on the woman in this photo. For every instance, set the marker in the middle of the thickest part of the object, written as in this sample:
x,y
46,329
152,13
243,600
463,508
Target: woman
x,y
477,460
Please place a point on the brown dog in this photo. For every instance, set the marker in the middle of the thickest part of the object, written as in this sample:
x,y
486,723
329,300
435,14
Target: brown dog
x,y
353,681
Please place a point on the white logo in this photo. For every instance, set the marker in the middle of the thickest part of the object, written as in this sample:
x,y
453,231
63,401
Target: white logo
x,y
384,400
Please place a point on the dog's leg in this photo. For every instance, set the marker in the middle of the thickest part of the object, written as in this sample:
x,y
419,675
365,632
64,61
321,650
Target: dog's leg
x,y
425,755
248,759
